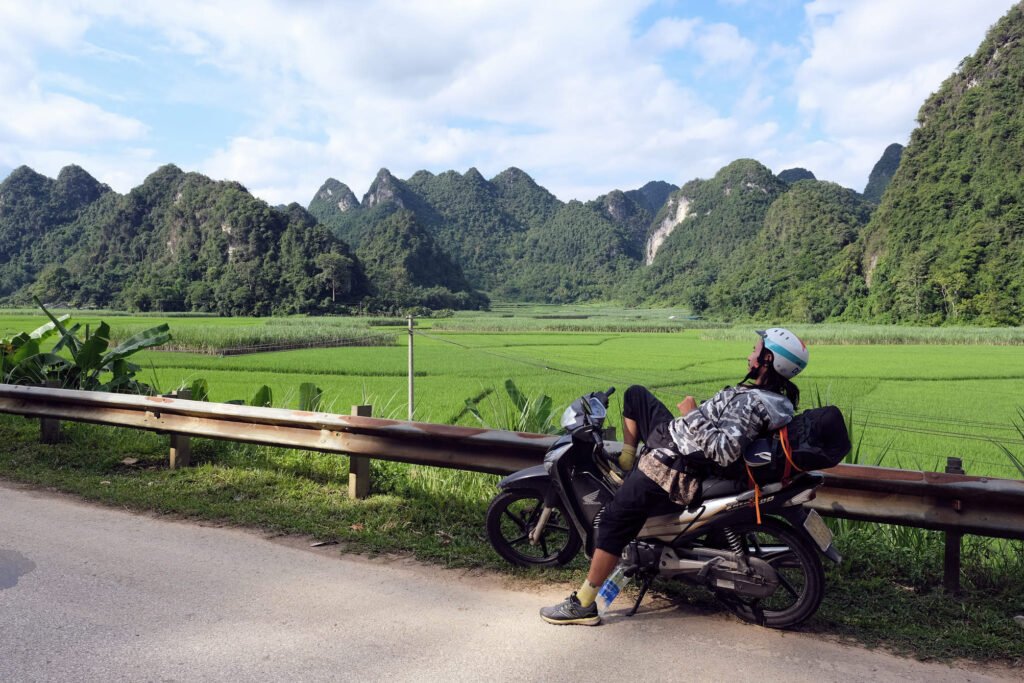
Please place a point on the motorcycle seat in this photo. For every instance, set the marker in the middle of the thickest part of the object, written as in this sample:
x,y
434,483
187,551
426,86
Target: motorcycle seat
x,y
714,487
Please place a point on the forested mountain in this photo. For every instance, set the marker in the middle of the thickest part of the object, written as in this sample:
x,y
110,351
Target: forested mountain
x,y
510,236
792,175
31,207
795,268
406,267
179,241
464,215
942,241
332,197
653,195
716,222
882,173
946,243
631,216
582,253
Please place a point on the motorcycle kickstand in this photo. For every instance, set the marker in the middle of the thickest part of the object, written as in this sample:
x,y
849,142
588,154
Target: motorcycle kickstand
x,y
648,580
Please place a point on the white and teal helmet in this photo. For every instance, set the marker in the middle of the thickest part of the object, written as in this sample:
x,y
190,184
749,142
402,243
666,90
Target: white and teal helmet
x,y
789,353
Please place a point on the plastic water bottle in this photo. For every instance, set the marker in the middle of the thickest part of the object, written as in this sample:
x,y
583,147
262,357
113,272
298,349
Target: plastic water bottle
x,y
611,588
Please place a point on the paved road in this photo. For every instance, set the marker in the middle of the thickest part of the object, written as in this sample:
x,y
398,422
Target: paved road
x,y
90,593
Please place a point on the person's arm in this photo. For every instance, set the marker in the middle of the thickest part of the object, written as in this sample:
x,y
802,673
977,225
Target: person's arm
x,y
742,419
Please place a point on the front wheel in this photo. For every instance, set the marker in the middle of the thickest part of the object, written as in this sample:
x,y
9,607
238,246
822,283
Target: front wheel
x,y
801,577
512,517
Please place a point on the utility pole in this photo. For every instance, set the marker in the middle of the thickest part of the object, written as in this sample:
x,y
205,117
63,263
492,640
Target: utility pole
x,y
411,402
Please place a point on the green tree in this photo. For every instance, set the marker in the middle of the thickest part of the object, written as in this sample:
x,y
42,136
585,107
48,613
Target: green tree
x,y
335,269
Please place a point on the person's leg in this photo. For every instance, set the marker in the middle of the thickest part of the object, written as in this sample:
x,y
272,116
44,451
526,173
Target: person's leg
x,y
630,438
601,566
621,520
581,606
630,432
642,413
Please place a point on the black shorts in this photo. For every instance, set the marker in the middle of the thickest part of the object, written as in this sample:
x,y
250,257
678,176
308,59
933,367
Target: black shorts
x,y
638,498
651,416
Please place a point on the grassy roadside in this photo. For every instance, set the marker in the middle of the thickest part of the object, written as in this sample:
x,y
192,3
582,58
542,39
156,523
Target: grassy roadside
x,y
886,594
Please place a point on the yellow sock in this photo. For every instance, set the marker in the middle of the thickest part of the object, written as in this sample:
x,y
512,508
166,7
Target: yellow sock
x,y
587,593
628,457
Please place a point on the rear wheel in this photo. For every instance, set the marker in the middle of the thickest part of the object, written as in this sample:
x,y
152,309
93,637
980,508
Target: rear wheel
x,y
513,516
801,577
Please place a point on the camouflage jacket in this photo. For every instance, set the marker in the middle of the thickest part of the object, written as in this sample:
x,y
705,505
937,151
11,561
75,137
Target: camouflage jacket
x,y
722,426
717,432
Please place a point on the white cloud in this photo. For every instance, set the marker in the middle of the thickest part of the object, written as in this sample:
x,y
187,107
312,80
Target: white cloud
x,y
558,90
62,120
722,44
670,33
279,170
562,90
871,64
565,90
37,125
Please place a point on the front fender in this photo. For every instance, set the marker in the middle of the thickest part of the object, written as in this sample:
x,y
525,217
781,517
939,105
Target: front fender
x,y
535,478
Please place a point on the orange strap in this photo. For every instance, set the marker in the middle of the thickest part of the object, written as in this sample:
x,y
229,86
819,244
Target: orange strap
x,y
788,450
790,466
757,494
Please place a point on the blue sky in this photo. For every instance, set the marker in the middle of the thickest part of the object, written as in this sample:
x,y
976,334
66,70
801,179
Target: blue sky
x,y
585,95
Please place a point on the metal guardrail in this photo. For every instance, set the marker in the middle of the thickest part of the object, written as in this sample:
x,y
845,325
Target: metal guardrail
x,y
465,448
948,502
982,506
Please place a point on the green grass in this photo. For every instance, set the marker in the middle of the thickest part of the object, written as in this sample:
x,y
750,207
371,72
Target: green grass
x,y
834,333
209,335
916,397
915,403
887,592
436,515
580,318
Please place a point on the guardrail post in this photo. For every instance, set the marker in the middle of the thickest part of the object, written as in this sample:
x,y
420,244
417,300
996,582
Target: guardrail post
x,y
181,445
358,465
951,562
49,429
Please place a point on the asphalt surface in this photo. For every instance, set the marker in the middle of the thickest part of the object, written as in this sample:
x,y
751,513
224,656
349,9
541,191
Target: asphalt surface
x,y
90,593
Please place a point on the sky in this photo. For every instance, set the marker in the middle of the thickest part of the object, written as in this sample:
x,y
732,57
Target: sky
x,y
584,95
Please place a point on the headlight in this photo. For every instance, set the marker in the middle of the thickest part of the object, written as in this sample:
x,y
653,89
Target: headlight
x,y
570,418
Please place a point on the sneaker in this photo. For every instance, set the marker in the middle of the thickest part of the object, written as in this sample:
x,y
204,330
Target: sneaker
x,y
570,611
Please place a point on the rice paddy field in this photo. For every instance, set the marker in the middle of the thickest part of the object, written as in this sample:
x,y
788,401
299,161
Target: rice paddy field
x,y
914,395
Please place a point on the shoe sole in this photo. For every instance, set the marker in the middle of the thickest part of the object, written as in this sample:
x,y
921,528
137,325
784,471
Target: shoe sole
x,y
585,621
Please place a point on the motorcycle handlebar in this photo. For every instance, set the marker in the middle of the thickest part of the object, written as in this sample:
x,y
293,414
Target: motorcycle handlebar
x,y
603,395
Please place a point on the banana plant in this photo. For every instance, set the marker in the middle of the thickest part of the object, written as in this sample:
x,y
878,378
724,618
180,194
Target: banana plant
x,y
21,359
263,398
93,366
309,397
520,414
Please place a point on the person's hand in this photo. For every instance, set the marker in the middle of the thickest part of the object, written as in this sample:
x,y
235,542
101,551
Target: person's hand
x,y
689,404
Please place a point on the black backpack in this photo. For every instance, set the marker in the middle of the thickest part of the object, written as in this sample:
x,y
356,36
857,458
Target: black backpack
x,y
817,439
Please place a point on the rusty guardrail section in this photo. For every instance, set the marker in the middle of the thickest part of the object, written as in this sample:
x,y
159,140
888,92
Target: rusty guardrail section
x,y
983,506
950,502
465,448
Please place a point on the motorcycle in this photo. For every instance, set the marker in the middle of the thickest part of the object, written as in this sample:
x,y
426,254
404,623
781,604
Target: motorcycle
x,y
760,558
